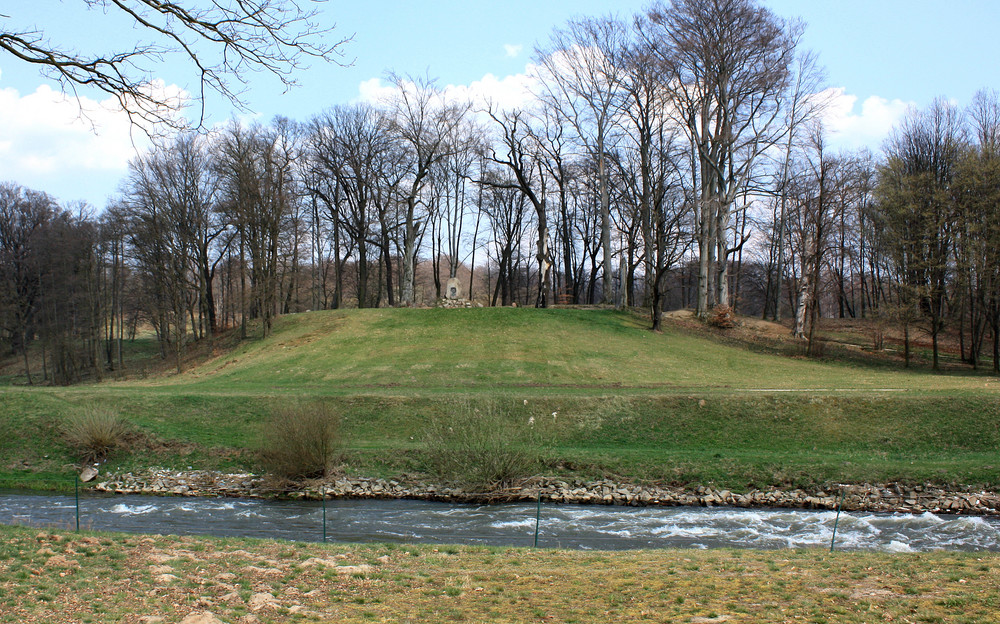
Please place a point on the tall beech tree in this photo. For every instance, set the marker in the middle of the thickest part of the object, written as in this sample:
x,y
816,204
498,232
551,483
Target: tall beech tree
x,y
521,155
258,185
727,65
24,214
977,238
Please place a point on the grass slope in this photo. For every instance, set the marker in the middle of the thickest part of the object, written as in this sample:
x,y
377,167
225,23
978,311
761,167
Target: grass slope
x,y
628,403
426,350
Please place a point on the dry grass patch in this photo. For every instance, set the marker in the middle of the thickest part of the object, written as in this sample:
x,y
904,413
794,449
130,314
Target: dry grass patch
x,y
95,432
51,576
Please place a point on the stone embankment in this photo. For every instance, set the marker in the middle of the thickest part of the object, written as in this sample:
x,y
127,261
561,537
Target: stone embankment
x,y
866,497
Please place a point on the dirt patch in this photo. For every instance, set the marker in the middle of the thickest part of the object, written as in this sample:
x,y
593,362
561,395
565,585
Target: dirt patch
x,y
765,328
679,314
853,339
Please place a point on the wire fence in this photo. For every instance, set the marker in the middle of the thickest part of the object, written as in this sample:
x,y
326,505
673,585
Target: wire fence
x,y
277,513
539,524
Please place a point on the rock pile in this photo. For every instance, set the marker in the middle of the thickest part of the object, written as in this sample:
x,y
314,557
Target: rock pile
x,y
457,303
864,497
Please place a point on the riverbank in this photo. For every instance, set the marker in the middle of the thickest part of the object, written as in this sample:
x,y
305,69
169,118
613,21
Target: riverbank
x,y
580,394
886,497
52,575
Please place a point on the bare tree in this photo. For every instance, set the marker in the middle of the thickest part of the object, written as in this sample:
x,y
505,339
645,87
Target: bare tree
x,y
977,228
803,108
258,186
649,167
522,157
581,79
223,43
354,145
426,126
450,181
111,249
161,194
916,201
818,196
191,181
23,216
552,136
504,206
727,64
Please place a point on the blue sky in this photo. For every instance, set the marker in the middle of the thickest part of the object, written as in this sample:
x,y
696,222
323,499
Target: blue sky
x,y
883,54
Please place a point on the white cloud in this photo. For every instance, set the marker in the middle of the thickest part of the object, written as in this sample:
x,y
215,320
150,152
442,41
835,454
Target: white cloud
x,y
868,127
372,91
510,92
513,50
850,126
72,148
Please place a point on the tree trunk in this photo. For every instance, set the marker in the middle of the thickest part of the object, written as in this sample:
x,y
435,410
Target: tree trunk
x,y
544,265
607,294
703,269
24,352
409,258
802,303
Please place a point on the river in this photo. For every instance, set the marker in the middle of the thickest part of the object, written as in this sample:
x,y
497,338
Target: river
x,y
559,526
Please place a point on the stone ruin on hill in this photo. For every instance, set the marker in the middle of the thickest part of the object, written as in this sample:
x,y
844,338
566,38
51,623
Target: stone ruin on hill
x,y
453,296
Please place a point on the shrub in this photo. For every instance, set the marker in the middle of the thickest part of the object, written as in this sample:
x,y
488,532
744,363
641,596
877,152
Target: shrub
x,y
96,432
722,317
301,441
484,447
882,321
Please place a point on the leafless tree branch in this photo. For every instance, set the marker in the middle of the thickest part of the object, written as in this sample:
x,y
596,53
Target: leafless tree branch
x,y
224,43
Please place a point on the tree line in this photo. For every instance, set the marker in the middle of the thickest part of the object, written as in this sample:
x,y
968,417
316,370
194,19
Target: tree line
x,y
676,158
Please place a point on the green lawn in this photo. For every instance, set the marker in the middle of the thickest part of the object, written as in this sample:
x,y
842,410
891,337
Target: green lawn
x,y
677,407
482,350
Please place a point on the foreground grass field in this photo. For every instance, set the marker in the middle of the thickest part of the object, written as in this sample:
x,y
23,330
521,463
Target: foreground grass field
x,y
52,576
600,395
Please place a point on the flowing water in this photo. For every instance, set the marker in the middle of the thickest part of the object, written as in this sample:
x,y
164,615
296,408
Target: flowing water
x,y
559,526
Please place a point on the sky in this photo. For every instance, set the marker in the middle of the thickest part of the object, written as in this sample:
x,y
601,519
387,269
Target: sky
x,y
881,57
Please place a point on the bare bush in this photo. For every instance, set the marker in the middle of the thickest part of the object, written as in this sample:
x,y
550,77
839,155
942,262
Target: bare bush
x,y
95,432
483,447
882,320
301,441
722,317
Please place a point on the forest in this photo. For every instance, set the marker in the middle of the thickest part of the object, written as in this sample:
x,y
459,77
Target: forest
x,y
672,159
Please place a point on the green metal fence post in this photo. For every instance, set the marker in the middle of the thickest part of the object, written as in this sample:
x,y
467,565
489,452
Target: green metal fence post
x,y
76,482
840,503
322,495
538,517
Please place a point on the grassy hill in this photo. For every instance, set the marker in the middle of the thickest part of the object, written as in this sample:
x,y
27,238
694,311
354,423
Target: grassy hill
x,y
678,406
484,349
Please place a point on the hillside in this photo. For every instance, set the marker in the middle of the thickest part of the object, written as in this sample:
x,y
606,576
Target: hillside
x,y
600,395
485,349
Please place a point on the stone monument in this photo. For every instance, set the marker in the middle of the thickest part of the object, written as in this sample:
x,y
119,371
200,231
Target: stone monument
x,y
453,296
454,291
